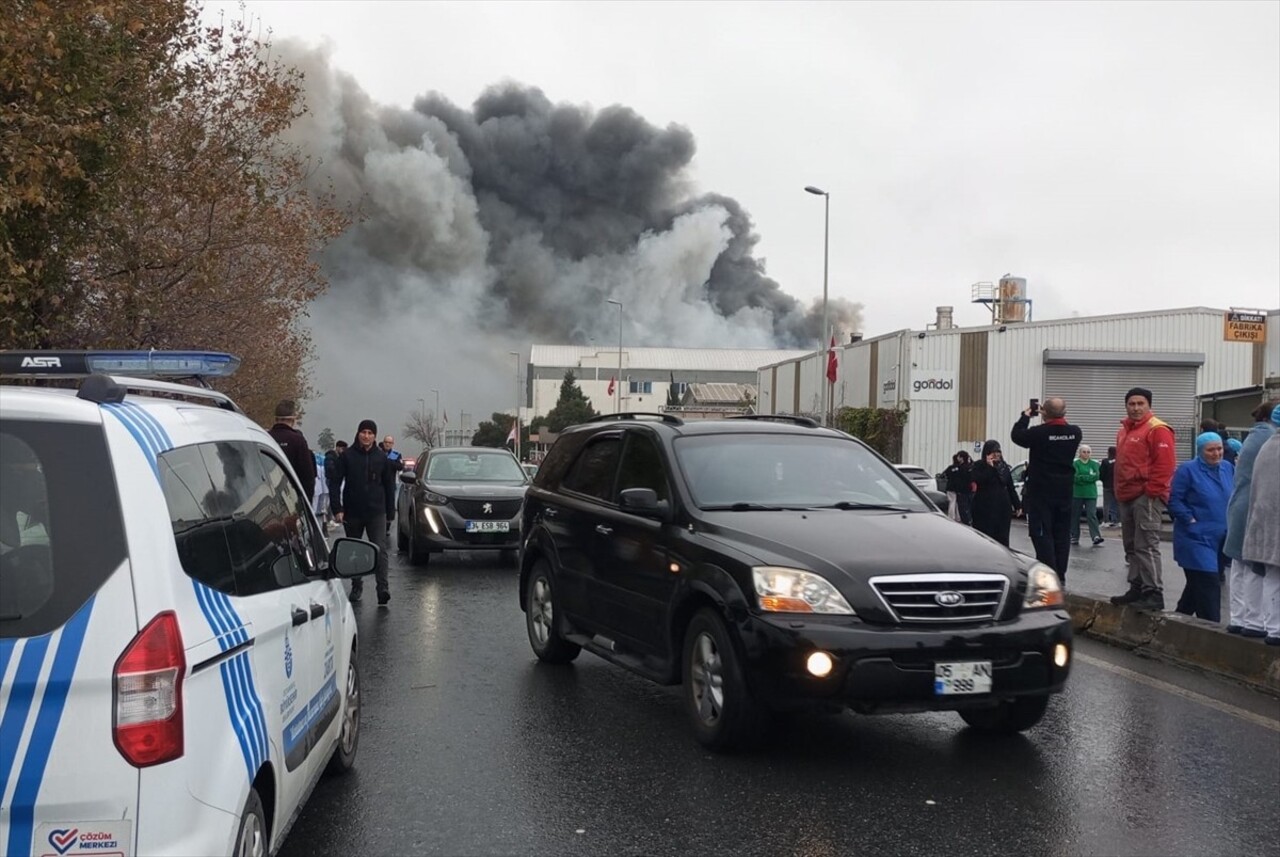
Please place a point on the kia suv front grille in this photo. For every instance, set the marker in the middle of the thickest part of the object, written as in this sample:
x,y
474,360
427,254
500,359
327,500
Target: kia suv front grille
x,y
941,598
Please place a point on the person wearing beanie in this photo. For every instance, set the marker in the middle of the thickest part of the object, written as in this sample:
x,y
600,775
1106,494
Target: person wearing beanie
x,y
1145,463
294,445
1050,483
1244,585
1198,506
362,490
995,500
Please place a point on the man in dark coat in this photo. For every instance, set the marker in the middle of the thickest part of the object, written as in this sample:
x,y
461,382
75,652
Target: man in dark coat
x,y
294,446
1051,476
362,490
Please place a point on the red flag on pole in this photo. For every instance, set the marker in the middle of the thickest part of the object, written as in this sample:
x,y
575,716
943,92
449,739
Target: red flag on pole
x,y
831,362
612,381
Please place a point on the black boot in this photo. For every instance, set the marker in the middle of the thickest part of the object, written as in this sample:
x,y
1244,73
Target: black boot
x,y
1152,599
1134,593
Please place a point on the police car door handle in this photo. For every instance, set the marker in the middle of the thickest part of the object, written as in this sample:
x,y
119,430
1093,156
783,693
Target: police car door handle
x,y
317,610
300,616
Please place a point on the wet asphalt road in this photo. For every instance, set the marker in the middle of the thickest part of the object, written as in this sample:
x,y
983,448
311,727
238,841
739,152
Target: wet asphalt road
x,y
469,746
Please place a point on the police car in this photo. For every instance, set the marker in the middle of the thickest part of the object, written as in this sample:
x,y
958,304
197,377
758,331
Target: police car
x,y
177,657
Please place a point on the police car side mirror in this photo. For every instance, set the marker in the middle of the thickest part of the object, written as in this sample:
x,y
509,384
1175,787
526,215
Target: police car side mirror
x,y
353,557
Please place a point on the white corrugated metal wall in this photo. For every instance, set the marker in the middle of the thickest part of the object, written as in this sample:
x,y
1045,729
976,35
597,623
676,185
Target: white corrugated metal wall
x,y
930,424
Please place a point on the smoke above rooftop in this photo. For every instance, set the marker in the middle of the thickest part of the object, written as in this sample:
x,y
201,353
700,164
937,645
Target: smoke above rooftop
x,y
519,218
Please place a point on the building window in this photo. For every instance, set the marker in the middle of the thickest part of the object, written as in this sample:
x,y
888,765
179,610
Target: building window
x,y
642,387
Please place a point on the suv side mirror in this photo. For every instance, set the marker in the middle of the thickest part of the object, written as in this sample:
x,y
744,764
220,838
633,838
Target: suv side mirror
x,y
938,499
408,477
644,501
353,557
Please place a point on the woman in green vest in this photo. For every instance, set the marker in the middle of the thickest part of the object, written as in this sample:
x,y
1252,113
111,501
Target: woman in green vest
x,y
1085,494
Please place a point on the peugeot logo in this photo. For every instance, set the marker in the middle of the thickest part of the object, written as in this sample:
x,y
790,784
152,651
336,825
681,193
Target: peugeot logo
x,y
487,508
949,598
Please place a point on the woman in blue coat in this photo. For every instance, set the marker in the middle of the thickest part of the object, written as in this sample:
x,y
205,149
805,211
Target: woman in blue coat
x,y
1198,504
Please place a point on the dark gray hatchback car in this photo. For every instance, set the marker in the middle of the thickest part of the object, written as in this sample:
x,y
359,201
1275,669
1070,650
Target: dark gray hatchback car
x,y
772,565
460,498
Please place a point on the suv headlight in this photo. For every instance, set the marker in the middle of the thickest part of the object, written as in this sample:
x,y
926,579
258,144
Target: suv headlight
x,y
435,499
1043,588
790,590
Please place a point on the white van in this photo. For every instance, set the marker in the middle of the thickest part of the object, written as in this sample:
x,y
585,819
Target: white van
x,y
177,654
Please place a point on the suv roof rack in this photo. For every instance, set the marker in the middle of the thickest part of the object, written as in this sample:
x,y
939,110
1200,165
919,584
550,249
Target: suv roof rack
x,y
807,422
102,389
632,415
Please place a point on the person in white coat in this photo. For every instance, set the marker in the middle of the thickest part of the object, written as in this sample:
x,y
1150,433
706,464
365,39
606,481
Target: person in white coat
x,y
1262,535
1245,587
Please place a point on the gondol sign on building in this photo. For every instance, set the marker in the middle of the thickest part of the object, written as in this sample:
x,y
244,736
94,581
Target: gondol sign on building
x,y
1244,326
937,385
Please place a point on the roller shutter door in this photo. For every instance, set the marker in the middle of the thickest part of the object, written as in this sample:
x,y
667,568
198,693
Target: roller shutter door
x,y
1095,398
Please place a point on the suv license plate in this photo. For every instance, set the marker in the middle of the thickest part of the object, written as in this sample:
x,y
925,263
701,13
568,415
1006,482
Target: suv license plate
x,y
962,677
488,526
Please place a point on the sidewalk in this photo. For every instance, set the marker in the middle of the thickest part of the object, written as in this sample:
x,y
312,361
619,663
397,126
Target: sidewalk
x,y
1096,573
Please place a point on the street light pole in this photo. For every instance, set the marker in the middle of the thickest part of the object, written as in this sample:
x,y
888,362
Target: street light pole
x,y
516,355
823,343
435,421
617,408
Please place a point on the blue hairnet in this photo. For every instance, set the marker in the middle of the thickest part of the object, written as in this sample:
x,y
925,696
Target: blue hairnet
x,y
1207,437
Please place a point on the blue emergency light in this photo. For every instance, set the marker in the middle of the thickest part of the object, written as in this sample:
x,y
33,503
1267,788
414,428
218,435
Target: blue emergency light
x,y
151,364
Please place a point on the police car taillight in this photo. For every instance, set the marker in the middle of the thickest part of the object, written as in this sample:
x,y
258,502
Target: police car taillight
x,y
148,694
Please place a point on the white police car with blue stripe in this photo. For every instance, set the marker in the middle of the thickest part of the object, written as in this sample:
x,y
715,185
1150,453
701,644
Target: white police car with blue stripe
x,y
177,654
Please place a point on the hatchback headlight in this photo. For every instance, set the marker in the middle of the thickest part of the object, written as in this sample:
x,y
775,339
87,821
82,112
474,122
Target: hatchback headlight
x,y
790,590
434,498
1043,588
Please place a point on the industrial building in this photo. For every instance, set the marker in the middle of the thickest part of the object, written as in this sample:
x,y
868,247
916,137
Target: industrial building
x,y
647,376
962,386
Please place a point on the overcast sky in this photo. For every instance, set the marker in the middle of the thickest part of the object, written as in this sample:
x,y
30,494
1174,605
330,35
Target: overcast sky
x,y
1119,156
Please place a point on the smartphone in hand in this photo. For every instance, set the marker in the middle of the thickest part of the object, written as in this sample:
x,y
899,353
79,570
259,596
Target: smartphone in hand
x,y
1035,407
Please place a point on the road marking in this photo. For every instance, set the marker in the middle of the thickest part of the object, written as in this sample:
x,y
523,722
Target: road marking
x,y
1224,707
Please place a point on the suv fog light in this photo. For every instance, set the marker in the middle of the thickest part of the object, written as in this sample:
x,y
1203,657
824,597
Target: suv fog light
x,y
820,664
1060,655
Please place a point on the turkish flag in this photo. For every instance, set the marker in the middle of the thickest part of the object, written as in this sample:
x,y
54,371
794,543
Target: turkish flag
x,y
612,381
511,435
831,362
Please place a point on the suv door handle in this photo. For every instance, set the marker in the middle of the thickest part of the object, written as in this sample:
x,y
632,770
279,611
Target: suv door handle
x,y
299,616
550,513
603,530
317,610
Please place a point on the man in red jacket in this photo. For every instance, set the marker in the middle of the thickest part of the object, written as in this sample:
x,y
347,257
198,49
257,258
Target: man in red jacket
x,y
1145,462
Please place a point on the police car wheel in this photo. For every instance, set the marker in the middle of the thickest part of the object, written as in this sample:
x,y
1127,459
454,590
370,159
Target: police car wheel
x,y
344,755
251,839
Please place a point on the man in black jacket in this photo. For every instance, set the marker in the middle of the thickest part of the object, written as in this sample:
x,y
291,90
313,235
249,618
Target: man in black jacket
x,y
294,446
362,491
1051,477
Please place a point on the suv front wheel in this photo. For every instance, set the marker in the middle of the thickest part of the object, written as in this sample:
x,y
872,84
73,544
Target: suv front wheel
x,y
540,618
723,712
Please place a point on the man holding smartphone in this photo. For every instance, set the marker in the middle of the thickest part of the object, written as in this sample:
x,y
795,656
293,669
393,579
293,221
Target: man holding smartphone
x,y
1051,476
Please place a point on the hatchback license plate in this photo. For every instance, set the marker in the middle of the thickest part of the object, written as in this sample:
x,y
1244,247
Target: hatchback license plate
x,y
962,677
488,526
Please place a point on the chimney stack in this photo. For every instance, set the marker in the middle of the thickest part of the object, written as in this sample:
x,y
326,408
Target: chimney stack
x,y
944,318
855,337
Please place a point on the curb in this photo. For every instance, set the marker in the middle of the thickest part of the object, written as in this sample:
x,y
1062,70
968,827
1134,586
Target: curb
x,y
1172,636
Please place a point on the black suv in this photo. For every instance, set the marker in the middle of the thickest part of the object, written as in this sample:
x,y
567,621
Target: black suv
x,y
773,565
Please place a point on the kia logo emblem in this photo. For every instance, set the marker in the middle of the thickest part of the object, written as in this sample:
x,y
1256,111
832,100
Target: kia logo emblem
x,y
949,599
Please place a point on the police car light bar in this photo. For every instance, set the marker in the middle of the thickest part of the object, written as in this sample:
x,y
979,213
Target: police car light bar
x,y
152,364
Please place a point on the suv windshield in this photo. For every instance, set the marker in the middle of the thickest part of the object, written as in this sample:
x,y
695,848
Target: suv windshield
x,y
789,471
473,467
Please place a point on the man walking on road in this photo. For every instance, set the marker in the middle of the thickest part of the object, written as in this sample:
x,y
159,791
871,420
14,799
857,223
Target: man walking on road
x,y
294,446
1051,476
367,499
1145,463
